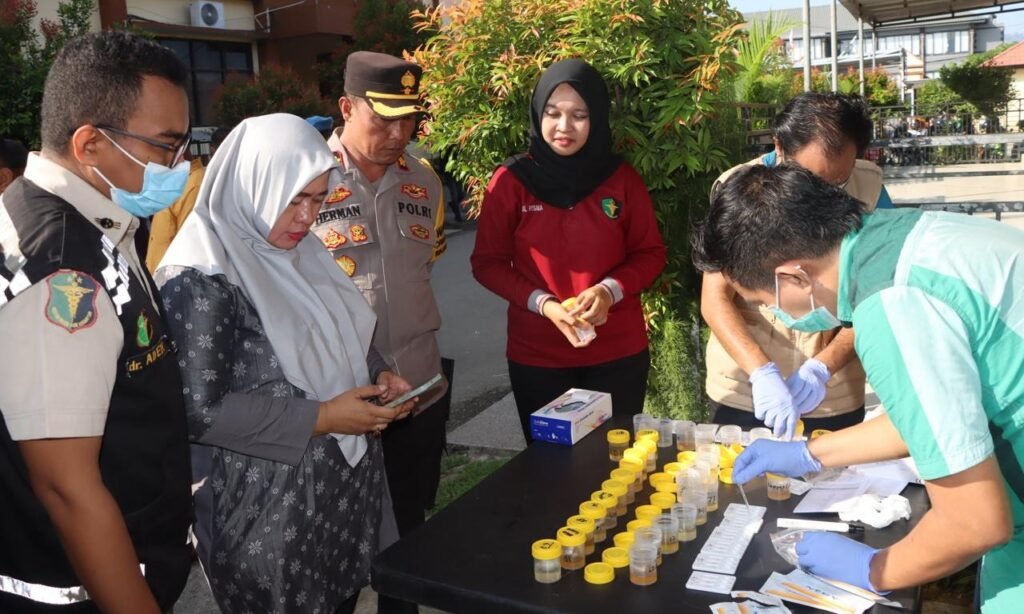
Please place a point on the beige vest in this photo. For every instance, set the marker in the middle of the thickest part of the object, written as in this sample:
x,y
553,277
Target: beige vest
x,y
729,385
386,239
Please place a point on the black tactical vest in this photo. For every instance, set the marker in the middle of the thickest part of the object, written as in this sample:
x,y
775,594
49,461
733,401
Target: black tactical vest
x,y
144,456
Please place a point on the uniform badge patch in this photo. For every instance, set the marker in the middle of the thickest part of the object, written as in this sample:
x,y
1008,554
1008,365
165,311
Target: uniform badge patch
x,y
419,231
359,233
144,331
611,208
402,164
415,191
339,194
72,302
334,239
347,264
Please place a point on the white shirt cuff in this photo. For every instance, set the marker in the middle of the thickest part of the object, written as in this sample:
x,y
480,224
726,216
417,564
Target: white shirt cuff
x,y
614,287
537,299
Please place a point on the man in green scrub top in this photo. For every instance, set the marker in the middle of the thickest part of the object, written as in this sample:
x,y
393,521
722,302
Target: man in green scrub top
x,y
937,300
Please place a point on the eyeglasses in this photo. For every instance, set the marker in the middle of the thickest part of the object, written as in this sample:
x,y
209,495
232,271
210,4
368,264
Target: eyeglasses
x,y
178,150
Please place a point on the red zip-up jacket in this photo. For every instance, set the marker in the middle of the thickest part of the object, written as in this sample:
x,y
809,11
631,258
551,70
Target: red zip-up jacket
x,y
524,245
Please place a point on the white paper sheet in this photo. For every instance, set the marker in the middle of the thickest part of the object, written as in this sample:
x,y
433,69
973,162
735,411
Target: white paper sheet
x,y
830,500
902,469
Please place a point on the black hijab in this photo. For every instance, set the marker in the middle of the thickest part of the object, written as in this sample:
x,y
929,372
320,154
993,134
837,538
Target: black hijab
x,y
563,181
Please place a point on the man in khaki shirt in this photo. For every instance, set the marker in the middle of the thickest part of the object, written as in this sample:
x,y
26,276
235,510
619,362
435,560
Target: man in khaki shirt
x,y
385,228
760,370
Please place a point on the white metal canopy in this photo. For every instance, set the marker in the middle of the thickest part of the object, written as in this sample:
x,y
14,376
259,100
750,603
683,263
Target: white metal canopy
x,y
887,12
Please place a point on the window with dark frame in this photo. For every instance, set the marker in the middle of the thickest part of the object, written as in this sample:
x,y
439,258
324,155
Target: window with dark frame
x,y
210,64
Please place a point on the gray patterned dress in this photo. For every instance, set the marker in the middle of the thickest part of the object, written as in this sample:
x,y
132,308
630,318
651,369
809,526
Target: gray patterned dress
x,y
283,523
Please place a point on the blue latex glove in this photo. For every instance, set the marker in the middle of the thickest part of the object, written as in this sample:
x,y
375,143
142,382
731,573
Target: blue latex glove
x,y
789,458
835,557
807,385
773,402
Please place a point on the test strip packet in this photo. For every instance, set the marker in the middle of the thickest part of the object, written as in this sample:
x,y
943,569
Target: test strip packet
x,y
715,563
710,582
739,510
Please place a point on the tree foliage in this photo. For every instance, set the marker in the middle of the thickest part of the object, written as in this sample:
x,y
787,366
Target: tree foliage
x,y
764,67
26,55
665,61
989,88
934,96
274,90
670,66
384,26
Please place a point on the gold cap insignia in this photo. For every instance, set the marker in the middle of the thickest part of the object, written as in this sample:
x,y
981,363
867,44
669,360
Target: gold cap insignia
x,y
408,82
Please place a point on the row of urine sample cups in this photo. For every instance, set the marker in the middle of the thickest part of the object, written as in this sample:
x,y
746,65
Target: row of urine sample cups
x,y
679,431
665,427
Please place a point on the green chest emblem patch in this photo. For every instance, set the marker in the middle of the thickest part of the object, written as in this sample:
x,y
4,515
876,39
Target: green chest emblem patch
x,y
72,302
611,207
144,334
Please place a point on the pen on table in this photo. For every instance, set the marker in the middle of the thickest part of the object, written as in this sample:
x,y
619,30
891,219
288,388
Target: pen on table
x,y
819,525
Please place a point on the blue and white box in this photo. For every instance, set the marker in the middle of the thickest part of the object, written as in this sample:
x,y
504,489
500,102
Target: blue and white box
x,y
571,416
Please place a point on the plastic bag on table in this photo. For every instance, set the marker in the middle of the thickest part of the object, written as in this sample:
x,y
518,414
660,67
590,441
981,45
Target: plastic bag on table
x,y
785,542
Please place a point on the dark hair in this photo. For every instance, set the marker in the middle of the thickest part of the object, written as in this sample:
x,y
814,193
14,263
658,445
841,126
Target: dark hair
x,y
218,136
830,119
13,155
97,79
764,216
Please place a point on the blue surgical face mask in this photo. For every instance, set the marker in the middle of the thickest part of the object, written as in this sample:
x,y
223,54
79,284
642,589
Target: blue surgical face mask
x,y
161,186
819,319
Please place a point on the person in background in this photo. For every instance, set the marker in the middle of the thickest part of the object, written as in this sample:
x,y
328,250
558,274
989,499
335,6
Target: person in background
x,y
384,226
13,157
166,224
94,466
569,219
937,304
274,349
758,368
323,124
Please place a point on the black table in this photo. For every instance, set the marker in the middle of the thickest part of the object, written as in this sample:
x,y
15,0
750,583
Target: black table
x,y
475,555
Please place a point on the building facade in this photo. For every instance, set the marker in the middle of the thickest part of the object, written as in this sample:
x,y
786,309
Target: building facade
x,y
226,39
908,52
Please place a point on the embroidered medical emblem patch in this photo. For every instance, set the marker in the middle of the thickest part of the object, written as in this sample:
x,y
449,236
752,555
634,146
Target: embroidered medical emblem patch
x,y
72,302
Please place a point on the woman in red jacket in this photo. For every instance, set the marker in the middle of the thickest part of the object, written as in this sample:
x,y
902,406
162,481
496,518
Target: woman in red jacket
x,y
570,219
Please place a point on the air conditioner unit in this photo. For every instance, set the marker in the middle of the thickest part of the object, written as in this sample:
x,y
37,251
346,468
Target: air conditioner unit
x,y
207,14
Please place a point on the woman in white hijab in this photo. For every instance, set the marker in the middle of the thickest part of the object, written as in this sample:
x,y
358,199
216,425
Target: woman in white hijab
x,y
273,341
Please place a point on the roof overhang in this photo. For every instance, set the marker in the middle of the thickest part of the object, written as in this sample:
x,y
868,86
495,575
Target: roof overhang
x,y
893,12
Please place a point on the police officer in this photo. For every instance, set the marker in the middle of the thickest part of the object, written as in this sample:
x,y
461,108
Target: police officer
x,y
385,227
94,467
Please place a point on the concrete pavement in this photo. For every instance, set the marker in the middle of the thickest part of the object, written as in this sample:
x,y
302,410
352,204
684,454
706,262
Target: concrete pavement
x,y
472,330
